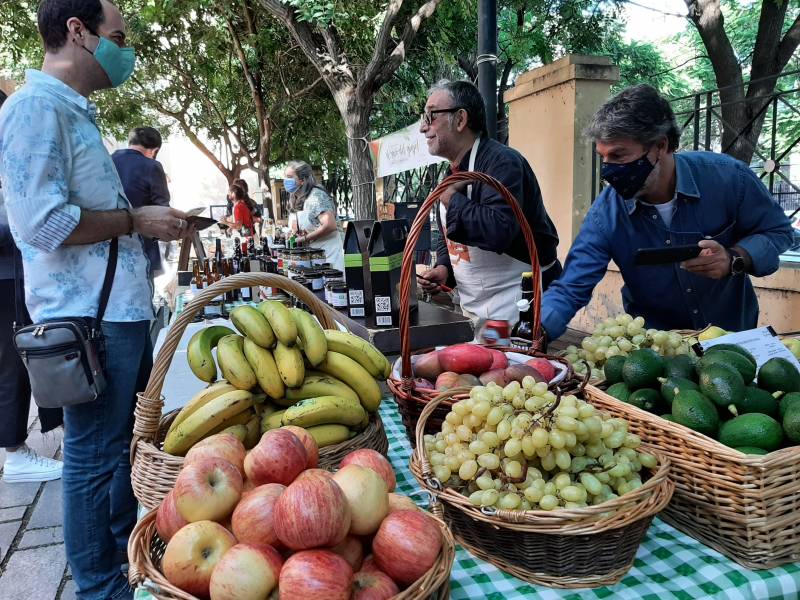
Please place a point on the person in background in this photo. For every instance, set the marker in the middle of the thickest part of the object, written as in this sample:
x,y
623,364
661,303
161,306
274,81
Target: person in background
x,y
65,203
241,219
313,213
255,209
659,198
144,180
482,251
22,464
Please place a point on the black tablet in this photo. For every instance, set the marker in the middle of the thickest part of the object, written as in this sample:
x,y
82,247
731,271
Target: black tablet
x,y
662,256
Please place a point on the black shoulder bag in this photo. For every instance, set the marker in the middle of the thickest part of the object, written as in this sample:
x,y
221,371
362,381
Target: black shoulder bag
x,y
63,355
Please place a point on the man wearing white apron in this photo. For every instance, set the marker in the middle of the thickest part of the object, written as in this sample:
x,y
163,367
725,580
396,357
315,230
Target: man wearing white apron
x,y
482,249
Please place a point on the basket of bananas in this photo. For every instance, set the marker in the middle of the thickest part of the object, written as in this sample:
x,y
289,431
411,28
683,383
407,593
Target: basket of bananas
x,y
283,368
541,484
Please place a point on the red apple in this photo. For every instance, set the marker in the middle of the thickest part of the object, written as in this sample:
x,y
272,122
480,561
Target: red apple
x,y
369,565
315,575
252,519
279,457
400,502
248,487
192,554
373,585
499,359
352,550
308,441
246,571
374,460
544,366
311,512
367,496
221,445
168,519
209,488
312,473
407,545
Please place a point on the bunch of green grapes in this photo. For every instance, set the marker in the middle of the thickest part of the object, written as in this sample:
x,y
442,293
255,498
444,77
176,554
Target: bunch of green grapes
x,y
619,336
508,447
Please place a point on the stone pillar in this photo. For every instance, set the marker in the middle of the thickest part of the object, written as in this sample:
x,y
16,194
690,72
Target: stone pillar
x,y
549,108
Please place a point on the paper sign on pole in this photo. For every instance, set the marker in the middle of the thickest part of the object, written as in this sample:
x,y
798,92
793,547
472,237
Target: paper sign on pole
x,y
400,151
762,343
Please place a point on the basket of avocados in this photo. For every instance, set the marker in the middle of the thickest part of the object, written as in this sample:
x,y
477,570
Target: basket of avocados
x,y
732,433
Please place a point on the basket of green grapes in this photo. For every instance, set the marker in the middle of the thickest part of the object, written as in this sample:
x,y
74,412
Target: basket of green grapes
x,y
619,336
541,483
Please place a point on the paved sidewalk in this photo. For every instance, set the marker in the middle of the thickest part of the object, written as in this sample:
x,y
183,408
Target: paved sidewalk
x,y
32,561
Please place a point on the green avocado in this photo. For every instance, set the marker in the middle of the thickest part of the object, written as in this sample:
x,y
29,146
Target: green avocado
x,y
756,400
722,385
791,424
693,410
752,429
671,386
642,369
727,357
778,374
681,365
734,348
646,398
619,391
751,450
788,401
612,370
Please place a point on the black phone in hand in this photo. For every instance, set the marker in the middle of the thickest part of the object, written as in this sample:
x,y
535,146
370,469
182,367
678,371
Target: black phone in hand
x,y
663,256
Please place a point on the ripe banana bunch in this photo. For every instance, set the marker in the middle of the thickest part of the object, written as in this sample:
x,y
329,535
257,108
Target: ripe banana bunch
x,y
272,420
325,410
200,399
290,364
205,419
253,325
233,363
354,375
317,384
312,337
327,435
265,368
280,319
199,354
360,350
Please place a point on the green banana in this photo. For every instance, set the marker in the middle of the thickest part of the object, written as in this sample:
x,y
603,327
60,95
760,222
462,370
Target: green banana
x,y
320,384
234,365
253,325
290,364
271,420
264,368
360,350
280,319
315,346
323,411
327,435
198,352
357,377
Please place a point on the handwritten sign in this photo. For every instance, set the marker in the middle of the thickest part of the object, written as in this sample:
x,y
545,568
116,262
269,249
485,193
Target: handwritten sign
x,y
400,151
762,343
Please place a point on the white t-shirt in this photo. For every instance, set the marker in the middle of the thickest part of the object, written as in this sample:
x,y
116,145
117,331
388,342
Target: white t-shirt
x,y
665,209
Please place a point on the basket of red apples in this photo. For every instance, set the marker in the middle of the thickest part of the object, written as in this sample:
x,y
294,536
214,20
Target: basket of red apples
x,y
268,524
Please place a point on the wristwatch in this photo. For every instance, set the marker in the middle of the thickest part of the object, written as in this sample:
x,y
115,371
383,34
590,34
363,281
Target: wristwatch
x,y
737,262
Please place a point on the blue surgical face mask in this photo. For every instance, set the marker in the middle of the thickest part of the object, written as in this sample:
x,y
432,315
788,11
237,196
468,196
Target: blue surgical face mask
x,y
290,184
628,178
118,63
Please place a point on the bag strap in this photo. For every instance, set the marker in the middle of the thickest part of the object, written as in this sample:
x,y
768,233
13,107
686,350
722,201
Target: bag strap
x,y
108,281
19,293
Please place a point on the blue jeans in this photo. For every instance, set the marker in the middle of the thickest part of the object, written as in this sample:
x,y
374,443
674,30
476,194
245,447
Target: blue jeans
x,y
99,505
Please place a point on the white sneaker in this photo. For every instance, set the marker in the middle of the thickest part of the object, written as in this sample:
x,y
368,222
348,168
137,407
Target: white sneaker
x,y
25,465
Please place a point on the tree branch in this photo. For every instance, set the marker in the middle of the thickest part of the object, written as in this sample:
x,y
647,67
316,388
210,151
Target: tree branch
x,y
789,43
382,39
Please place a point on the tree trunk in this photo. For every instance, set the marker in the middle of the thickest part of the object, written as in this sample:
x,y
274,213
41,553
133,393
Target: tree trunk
x,y
265,142
362,173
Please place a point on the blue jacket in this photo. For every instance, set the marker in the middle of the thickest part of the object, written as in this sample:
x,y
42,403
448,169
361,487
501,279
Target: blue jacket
x,y
717,197
145,184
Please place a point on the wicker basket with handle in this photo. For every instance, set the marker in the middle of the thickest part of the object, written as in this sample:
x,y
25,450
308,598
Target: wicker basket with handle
x,y
146,549
154,471
745,506
568,548
410,399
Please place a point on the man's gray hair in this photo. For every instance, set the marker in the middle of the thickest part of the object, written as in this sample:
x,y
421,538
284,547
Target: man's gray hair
x,y
638,113
465,95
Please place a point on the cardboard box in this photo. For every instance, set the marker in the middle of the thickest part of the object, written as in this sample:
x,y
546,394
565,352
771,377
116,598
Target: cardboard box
x,y
356,268
386,246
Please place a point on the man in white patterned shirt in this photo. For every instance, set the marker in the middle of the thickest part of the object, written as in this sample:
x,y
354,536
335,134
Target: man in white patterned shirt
x,y
65,203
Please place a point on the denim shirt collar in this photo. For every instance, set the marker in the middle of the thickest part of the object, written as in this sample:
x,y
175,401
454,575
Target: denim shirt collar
x,y
39,79
685,184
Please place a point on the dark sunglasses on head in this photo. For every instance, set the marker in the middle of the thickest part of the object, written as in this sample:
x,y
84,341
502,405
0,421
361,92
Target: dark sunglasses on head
x,y
428,117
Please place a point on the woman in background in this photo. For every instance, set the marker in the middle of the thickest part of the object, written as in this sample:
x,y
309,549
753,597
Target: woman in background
x,y
241,218
313,213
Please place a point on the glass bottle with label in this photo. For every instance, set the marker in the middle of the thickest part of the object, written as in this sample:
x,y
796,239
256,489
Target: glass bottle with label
x,y
246,292
197,278
523,330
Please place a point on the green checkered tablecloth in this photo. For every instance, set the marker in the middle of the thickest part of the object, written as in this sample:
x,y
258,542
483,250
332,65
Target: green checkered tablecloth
x,y
669,564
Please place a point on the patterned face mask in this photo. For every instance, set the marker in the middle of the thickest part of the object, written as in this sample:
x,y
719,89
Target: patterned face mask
x,y
627,178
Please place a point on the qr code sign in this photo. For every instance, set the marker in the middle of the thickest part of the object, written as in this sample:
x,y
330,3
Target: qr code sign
x,y
356,296
383,304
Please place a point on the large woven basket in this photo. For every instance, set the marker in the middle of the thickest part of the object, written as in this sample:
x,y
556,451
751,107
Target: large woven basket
x,y
154,471
745,506
146,549
410,399
576,548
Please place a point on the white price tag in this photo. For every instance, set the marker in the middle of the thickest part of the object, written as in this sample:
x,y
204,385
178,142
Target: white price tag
x,y
383,304
356,312
383,320
762,343
356,297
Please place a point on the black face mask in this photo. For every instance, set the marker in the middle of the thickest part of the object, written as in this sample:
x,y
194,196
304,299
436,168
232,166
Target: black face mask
x,y
627,178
